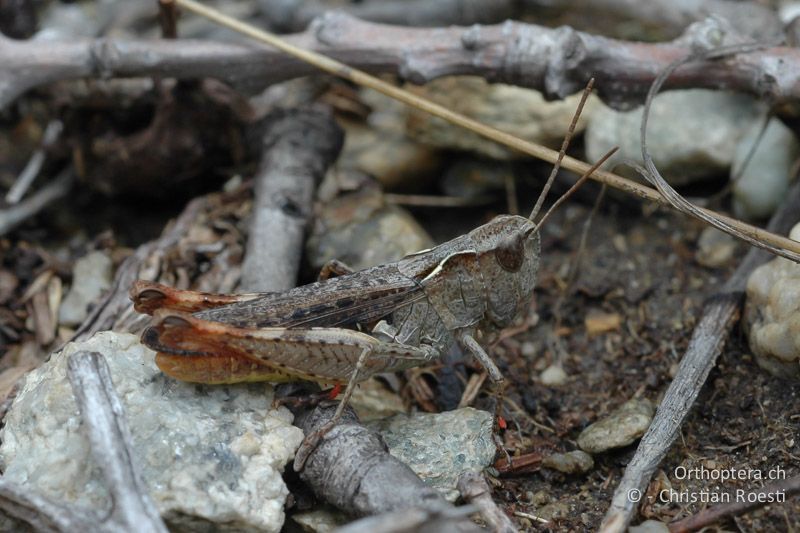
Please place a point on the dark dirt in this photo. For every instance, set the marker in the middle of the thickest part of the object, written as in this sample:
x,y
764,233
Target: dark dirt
x,y
643,269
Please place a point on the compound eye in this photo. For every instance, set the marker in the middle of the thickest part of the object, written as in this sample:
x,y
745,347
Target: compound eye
x,y
510,253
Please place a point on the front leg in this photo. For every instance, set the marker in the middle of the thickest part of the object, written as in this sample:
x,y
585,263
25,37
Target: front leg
x,y
468,342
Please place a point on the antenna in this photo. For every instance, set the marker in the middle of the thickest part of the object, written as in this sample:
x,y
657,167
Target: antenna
x,y
561,153
575,187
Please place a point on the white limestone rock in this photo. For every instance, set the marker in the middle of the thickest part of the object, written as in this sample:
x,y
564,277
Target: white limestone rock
x,y
211,456
772,315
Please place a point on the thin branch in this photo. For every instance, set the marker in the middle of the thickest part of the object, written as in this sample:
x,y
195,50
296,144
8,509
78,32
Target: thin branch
x,y
16,214
110,441
298,148
296,15
475,490
31,170
557,62
719,316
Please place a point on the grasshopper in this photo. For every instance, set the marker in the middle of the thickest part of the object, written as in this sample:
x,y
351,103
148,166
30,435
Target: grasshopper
x,y
466,289
349,326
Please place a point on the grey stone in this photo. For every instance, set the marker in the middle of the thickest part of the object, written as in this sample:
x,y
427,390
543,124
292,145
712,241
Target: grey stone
x,y
91,277
361,230
440,447
620,428
574,462
762,182
714,248
211,456
692,135
521,112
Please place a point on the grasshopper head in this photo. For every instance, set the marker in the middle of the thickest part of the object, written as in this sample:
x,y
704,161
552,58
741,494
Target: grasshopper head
x,y
508,250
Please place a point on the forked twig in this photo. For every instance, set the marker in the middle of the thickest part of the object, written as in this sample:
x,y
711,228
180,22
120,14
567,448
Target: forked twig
x,y
327,64
708,336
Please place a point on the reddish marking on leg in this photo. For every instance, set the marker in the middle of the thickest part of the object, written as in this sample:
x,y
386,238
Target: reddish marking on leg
x,y
334,392
501,422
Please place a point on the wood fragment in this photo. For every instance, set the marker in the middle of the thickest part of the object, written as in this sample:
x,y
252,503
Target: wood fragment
x,y
475,490
718,317
298,148
353,470
16,214
25,179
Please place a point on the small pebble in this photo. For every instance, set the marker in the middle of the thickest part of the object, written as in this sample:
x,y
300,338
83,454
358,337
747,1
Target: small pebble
x,y
553,376
714,248
620,428
772,315
574,462
649,526
91,277
597,322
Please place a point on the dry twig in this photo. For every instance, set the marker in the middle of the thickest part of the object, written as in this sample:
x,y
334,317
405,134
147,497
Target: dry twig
x,y
557,62
16,214
719,316
298,148
475,490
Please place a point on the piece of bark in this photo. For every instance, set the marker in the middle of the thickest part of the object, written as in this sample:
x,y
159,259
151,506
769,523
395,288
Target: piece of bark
x,y
718,317
557,62
296,15
103,417
299,146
